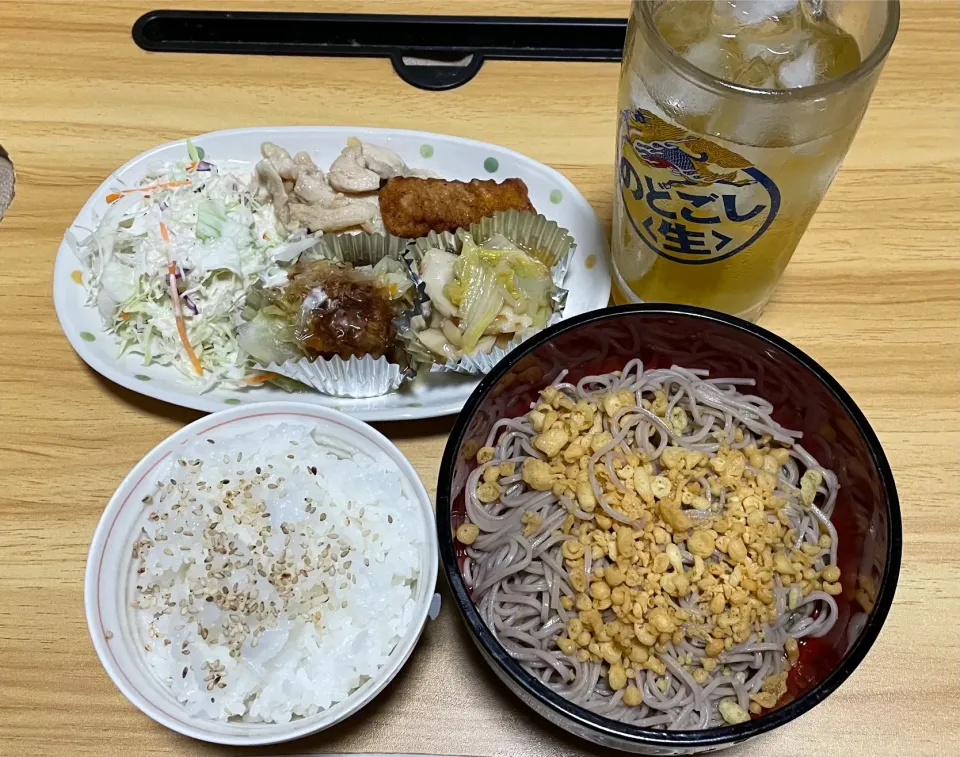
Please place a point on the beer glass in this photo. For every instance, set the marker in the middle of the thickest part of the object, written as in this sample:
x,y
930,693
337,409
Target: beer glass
x,y
724,152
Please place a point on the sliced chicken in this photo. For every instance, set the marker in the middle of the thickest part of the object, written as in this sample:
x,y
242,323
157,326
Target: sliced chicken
x,y
313,189
305,163
419,173
281,160
373,202
270,179
318,218
383,161
349,172
304,195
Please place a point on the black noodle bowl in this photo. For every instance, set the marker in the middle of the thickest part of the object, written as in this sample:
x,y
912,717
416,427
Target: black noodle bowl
x,y
799,395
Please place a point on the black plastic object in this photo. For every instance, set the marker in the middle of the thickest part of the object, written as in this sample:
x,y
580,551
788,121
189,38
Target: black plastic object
x,y
805,397
452,48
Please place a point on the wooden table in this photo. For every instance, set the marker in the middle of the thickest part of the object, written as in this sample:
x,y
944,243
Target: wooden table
x,y
871,294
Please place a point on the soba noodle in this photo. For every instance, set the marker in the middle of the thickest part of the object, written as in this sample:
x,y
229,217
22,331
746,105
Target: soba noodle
x,y
519,577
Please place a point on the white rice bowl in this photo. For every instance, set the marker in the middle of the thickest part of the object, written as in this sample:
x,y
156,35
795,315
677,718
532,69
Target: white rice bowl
x,y
228,669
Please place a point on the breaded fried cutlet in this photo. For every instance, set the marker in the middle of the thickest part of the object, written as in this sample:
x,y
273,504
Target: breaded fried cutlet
x,y
415,207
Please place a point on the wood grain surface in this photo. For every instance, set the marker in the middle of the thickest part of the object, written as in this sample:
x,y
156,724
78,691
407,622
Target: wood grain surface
x,y
872,294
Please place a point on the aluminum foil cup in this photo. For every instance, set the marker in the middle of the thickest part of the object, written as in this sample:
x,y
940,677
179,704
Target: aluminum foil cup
x,y
356,378
534,234
357,249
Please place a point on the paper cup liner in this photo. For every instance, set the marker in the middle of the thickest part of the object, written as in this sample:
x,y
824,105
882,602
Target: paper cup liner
x,y
356,378
365,376
534,234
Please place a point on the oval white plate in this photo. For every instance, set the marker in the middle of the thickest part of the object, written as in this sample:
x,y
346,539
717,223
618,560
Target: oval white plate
x,y
451,157
109,571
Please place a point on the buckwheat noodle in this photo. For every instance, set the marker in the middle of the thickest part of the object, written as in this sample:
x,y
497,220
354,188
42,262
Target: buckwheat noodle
x,y
517,582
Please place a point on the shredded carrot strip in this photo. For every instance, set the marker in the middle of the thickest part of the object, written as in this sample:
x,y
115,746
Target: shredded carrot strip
x,y
262,378
114,196
177,310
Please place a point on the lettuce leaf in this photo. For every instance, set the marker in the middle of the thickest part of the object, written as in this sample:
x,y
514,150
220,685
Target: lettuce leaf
x,y
211,218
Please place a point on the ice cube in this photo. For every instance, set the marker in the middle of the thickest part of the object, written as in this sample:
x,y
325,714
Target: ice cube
x,y
711,56
729,15
801,71
677,97
837,53
684,22
757,73
778,47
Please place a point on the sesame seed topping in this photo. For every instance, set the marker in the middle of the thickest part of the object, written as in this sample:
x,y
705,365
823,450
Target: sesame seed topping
x,y
213,563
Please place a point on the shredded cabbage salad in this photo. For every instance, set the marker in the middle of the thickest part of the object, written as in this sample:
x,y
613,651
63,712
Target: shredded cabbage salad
x,y
202,222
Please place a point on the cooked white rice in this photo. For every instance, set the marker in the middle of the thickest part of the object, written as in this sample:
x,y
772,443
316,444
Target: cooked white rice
x,y
275,574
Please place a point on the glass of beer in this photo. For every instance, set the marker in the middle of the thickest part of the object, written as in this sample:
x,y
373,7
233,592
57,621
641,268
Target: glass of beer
x,y
734,116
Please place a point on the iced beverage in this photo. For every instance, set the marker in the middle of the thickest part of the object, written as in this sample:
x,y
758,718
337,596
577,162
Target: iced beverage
x,y
734,118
